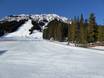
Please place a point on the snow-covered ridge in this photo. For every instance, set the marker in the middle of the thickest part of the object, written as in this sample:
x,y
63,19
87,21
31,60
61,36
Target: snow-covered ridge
x,y
35,17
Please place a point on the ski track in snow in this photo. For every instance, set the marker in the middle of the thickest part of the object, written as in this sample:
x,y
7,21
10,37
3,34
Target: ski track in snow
x,y
44,59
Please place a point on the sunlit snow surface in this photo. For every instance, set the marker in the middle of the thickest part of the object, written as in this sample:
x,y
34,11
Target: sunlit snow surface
x,y
44,59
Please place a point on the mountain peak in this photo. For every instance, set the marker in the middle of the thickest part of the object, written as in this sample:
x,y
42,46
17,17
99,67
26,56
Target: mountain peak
x,y
35,17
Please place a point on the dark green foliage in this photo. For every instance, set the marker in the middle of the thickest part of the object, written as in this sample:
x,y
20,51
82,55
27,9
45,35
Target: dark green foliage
x,y
45,34
83,31
35,27
92,29
50,31
74,31
80,32
100,34
56,30
71,32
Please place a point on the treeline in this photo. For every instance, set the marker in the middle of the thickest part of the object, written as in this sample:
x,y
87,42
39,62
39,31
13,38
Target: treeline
x,y
81,32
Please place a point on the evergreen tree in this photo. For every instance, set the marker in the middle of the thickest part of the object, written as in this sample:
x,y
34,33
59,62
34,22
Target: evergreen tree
x,y
35,27
45,33
101,34
77,31
82,31
72,31
51,29
92,29
69,33
56,30
59,32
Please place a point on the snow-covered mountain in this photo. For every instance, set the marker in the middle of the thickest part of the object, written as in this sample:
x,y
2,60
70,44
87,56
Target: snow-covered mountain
x,y
21,25
41,19
35,17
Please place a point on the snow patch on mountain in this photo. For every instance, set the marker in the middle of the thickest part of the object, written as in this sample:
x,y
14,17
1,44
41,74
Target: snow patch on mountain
x,y
24,33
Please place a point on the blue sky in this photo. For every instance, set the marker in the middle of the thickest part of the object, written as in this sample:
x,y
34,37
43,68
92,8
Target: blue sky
x,y
67,8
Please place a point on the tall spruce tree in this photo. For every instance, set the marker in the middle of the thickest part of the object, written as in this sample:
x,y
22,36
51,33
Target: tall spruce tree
x,y
92,29
77,30
72,31
82,31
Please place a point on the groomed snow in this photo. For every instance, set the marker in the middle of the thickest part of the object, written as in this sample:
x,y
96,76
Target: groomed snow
x,y
44,59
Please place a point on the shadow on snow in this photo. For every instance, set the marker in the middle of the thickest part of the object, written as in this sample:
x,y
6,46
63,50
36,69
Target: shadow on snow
x,y
3,51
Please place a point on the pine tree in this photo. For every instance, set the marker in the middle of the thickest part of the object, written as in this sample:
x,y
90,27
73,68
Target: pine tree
x,y
82,31
69,33
51,29
59,32
77,31
101,34
92,29
72,31
65,31
45,34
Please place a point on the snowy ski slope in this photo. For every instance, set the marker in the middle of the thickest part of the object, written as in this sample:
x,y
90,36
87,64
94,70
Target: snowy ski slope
x,y
44,59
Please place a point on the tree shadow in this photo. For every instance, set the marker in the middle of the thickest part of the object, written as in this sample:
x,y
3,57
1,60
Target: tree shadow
x,y
3,51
